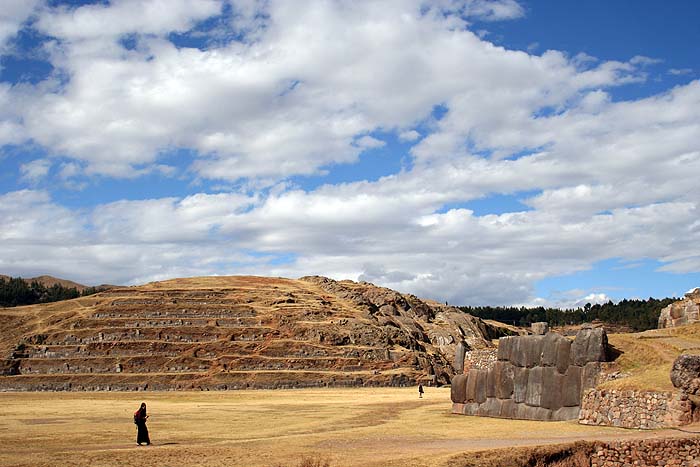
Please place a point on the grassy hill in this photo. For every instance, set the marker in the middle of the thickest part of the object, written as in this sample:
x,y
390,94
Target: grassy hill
x,y
646,357
234,332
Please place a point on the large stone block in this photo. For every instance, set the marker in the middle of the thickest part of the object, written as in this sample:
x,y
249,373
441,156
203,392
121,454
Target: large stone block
x,y
539,329
589,375
526,351
520,384
549,349
682,312
458,389
505,345
460,353
490,408
470,408
563,354
590,345
508,408
526,412
533,396
504,379
566,413
555,351
481,379
491,378
685,374
552,382
571,387
470,387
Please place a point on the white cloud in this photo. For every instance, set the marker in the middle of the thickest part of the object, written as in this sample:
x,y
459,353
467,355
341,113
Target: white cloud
x,y
410,135
680,71
571,299
35,170
125,16
294,100
12,14
489,10
369,142
30,218
302,92
345,232
11,129
644,61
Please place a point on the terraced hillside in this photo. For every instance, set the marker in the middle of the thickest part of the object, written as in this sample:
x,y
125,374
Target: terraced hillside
x,y
234,332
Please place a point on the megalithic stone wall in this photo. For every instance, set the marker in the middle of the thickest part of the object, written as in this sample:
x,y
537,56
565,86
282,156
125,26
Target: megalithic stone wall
x,y
535,377
682,312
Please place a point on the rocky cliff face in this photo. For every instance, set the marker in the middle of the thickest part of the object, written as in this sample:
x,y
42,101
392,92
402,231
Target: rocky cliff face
x,y
234,332
682,312
540,377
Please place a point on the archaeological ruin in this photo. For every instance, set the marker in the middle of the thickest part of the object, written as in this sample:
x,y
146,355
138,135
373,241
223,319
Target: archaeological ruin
x,y
537,377
234,332
682,312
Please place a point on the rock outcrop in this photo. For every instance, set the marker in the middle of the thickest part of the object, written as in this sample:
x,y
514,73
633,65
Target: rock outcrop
x,y
540,377
682,312
234,332
685,374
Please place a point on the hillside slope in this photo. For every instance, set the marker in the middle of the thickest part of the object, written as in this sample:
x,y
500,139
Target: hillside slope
x,y
234,332
48,281
646,358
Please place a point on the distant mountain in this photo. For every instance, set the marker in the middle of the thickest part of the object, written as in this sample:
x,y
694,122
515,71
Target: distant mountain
x,y
48,281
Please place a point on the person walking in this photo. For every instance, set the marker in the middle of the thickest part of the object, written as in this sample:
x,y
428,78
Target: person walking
x,y
140,417
420,391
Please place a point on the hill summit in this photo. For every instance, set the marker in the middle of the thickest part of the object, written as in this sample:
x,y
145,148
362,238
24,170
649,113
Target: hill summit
x,y
235,332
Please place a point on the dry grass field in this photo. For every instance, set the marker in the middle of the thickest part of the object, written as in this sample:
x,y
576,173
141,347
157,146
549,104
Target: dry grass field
x,y
340,427
647,357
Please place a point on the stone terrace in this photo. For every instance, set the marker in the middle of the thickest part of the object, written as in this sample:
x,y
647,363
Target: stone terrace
x,y
234,333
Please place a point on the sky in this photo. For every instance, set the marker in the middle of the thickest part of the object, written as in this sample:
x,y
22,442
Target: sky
x,y
480,152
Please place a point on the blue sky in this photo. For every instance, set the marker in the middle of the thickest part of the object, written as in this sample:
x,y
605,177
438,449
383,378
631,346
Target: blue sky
x,y
481,152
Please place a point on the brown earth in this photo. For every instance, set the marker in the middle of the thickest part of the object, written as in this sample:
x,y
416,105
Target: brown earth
x,y
234,332
644,360
347,427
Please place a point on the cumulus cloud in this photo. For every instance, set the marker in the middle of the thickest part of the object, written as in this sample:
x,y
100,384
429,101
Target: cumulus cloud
x,y
410,135
296,98
299,91
369,142
453,256
572,299
35,170
125,16
487,10
12,15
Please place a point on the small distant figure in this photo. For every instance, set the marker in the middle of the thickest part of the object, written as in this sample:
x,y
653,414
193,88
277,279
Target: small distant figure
x,y
420,391
140,417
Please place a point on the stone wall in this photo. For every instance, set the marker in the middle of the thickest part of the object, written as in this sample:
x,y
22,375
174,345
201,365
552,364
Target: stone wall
x,y
685,311
534,378
481,359
635,409
648,452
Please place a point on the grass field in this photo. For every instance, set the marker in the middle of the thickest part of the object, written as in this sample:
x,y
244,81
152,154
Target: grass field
x,y
343,427
648,356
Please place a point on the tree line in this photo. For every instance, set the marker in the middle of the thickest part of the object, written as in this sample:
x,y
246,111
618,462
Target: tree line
x,y
16,291
639,315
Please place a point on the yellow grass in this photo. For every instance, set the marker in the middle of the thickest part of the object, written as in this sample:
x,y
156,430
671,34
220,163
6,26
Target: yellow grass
x,y
344,427
648,357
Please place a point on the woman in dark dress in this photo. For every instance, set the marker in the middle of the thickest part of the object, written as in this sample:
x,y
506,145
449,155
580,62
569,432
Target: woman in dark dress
x,y
140,418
